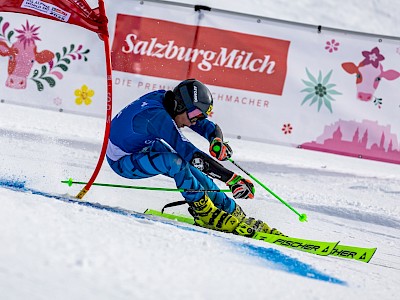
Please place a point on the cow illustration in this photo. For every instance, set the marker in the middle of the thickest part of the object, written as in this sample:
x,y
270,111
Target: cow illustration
x,y
22,55
369,72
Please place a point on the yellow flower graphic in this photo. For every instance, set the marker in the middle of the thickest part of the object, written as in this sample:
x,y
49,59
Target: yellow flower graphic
x,y
83,95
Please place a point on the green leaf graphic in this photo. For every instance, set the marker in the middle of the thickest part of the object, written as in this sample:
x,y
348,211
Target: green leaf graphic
x,y
50,81
39,85
63,67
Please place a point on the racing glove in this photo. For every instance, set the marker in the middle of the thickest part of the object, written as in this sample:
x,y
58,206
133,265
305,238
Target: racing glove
x,y
240,187
220,149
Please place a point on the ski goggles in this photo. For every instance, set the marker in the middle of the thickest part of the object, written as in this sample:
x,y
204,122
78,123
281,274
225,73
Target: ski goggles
x,y
196,115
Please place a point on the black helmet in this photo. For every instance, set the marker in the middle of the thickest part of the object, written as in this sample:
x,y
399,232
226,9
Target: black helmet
x,y
194,94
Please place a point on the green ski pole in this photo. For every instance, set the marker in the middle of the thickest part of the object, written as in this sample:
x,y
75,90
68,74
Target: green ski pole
x,y
302,217
70,182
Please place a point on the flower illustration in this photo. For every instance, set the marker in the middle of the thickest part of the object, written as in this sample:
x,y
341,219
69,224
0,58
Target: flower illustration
x,y
373,57
319,90
378,102
28,34
57,101
332,46
53,71
83,95
287,128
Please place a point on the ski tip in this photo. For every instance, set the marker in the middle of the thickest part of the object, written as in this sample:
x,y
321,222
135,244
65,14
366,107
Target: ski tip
x,y
373,251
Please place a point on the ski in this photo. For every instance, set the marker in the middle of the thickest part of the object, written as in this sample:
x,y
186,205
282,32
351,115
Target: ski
x,y
316,247
352,252
311,246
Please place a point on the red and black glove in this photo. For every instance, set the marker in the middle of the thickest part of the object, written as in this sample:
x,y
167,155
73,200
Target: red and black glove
x,y
220,149
240,187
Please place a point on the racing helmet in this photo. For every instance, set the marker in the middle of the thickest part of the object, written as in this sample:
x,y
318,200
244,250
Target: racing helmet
x,y
196,97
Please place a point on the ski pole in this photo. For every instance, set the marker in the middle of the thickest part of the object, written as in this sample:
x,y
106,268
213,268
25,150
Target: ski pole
x,y
70,182
302,217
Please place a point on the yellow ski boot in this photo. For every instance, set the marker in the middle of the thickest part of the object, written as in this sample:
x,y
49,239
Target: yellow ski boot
x,y
208,216
249,226
261,226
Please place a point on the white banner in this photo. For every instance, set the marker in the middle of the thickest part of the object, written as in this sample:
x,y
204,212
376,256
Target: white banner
x,y
273,81
52,65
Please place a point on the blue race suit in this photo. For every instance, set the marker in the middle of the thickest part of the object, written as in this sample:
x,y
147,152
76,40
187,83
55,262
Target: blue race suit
x,y
144,141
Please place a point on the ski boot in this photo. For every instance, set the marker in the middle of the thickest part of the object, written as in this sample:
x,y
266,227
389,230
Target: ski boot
x,y
249,226
206,215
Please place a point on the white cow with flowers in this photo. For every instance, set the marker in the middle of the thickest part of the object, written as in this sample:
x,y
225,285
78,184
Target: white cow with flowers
x,y
369,72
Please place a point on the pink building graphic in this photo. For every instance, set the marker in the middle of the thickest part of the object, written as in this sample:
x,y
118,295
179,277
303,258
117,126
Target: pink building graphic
x,y
367,140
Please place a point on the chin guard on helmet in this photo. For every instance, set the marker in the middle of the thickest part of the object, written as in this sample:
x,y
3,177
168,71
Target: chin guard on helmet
x,y
172,105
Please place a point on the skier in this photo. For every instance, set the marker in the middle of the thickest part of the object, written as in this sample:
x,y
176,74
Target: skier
x,y
146,140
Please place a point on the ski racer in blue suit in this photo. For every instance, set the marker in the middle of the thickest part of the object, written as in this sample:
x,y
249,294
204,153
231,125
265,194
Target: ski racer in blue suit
x,y
145,140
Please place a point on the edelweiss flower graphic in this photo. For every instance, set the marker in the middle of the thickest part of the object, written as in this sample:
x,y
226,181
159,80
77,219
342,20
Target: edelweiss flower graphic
x,y
319,90
83,95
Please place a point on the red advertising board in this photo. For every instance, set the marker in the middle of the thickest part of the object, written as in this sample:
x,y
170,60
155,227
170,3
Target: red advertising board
x,y
219,57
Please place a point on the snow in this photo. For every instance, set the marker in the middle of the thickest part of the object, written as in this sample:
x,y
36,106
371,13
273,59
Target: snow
x,y
59,250
52,249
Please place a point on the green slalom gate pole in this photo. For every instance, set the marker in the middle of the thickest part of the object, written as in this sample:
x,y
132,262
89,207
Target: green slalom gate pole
x,y
302,217
70,182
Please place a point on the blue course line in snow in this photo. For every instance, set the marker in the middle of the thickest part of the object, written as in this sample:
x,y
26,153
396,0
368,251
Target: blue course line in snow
x,y
286,263
19,186
273,258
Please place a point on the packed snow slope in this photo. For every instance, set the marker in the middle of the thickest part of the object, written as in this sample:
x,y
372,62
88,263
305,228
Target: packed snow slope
x,y
52,248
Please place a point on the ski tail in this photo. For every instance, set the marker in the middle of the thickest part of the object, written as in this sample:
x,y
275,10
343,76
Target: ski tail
x,y
179,218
